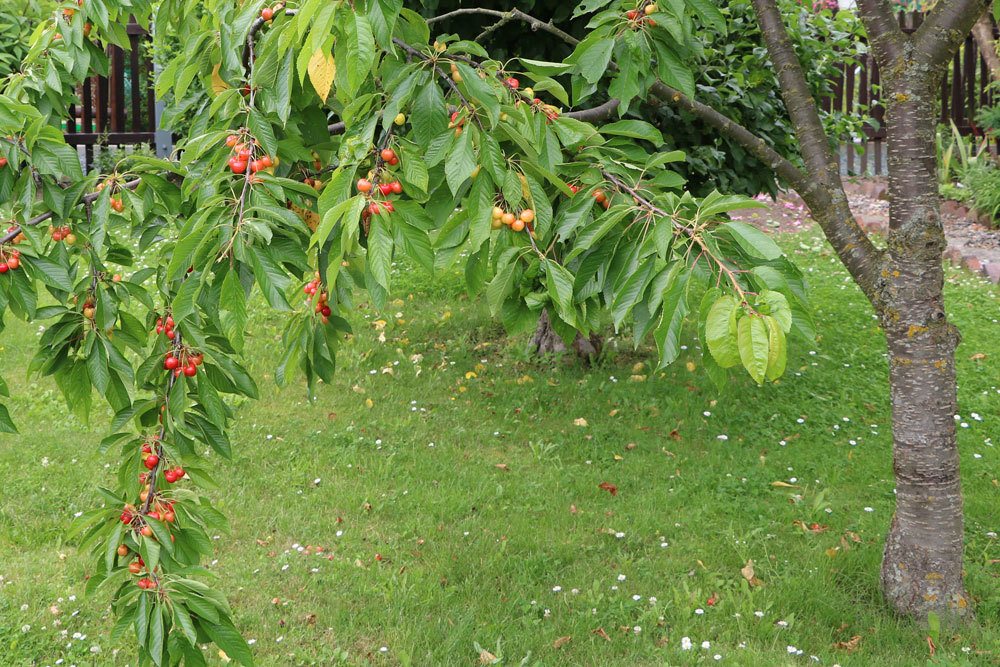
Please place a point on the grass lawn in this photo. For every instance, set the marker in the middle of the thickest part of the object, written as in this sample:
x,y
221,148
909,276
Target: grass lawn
x,y
453,487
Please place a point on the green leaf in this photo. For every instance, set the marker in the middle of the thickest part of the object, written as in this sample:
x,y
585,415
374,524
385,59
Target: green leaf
x,y
754,344
460,163
229,640
637,129
560,286
777,355
778,308
753,241
592,57
156,635
6,423
720,332
380,249
675,308
709,14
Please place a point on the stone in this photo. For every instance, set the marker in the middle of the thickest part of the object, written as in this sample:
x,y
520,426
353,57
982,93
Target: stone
x,y
972,263
992,272
953,254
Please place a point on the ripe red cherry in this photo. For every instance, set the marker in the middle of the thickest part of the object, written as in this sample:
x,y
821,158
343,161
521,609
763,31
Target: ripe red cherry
x,y
512,82
190,370
232,140
267,161
238,166
170,334
126,517
122,550
154,515
134,567
171,362
326,311
632,14
4,268
117,204
394,161
385,189
197,359
3,162
169,517
146,531
364,185
243,153
397,187
170,476
151,461
179,473
389,208
388,154
267,13
374,209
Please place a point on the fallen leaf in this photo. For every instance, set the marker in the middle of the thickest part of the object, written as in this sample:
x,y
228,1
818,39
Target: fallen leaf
x,y
609,487
613,413
630,446
562,641
573,509
930,646
502,466
601,633
619,457
978,356
486,658
784,485
675,435
748,573
851,645
580,421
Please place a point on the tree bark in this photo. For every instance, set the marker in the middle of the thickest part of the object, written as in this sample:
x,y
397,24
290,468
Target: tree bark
x,y
547,341
982,32
922,564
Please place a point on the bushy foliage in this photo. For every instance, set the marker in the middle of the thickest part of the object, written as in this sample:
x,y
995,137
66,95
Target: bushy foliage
x,y
982,183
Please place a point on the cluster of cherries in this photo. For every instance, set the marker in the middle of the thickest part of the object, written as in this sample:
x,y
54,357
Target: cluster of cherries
x,y
63,233
366,187
165,326
135,567
243,156
550,112
601,197
10,260
322,305
639,16
117,205
183,362
517,223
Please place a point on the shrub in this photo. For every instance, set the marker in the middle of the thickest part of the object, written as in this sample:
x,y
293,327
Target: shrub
x,y
983,185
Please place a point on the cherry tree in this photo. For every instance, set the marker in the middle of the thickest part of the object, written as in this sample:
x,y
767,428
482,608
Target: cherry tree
x,y
321,141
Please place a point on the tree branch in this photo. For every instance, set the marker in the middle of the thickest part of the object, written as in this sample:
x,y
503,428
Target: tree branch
x,y
884,33
945,28
39,219
827,203
514,14
596,114
982,32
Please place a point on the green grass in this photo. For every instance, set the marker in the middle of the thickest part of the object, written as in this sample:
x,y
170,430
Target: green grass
x,y
473,553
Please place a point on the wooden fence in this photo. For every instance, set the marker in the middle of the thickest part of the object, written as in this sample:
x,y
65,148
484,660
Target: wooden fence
x,y
119,110
856,92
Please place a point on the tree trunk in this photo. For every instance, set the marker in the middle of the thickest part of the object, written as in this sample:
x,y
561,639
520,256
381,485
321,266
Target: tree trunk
x,y
983,34
547,341
922,565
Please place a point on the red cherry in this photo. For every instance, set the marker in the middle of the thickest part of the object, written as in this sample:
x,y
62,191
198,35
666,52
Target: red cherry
x,y
394,161
388,154
154,515
632,14
170,476
126,517
170,334
4,268
232,140
389,208
151,461
385,189
243,154
512,82
169,517
326,311
238,166
267,161
134,567
179,474
190,370
267,13
256,166
364,185
197,359
397,187
374,209
3,162
169,322
146,531
171,362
